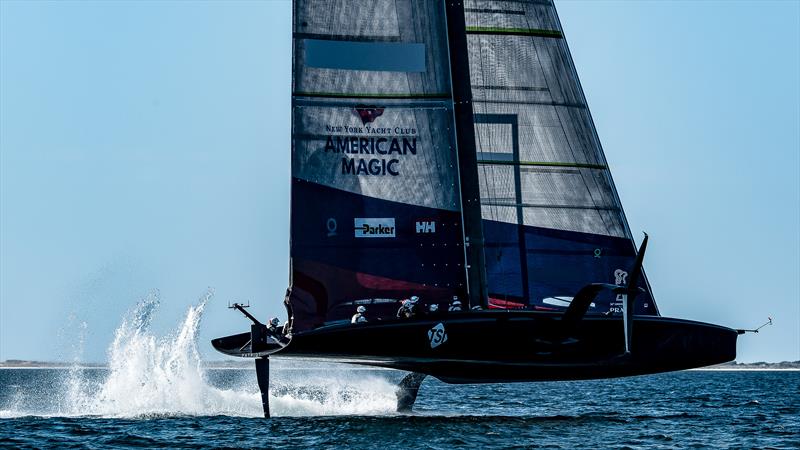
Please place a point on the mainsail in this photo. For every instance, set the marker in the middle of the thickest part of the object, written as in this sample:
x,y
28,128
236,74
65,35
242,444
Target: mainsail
x,y
412,176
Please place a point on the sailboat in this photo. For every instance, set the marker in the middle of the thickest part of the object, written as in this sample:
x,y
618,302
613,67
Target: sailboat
x,y
445,150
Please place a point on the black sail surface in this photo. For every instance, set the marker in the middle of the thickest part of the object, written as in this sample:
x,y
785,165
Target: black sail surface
x,y
552,220
375,208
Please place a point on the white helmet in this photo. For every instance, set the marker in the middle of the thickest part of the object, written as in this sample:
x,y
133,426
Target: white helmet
x,y
433,307
414,299
457,302
274,321
361,310
455,298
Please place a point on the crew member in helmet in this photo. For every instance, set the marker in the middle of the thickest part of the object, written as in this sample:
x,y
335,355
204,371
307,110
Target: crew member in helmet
x,y
455,305
409,308
404,305
433,309
359,316
272,326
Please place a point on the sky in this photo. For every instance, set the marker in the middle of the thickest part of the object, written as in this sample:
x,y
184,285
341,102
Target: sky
x,y
144,147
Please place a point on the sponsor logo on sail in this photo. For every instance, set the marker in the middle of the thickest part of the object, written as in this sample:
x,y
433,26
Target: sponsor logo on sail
x,y
368,114
370,150
426,226
437,335
331,226
620,277
374,227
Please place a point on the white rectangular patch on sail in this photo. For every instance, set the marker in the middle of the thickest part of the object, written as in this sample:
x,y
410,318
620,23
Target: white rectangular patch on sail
x,y
374,227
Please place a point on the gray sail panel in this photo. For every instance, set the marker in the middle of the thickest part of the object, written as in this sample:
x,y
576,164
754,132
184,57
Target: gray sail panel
x,y
385,24
520,68
552,218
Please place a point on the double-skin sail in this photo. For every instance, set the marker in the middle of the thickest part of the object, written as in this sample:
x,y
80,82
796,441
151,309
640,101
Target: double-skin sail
x,y
378,211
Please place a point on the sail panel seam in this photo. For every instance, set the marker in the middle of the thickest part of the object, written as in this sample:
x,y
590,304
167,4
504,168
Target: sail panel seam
x,y
536,32
511,12
373,95
529,102
542,205
512,88
544,164
346,37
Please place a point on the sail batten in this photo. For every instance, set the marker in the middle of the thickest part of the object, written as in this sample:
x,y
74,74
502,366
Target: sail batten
x,y
515,31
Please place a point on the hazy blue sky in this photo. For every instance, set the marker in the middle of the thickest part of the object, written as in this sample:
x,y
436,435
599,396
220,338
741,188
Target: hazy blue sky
x,y
145,145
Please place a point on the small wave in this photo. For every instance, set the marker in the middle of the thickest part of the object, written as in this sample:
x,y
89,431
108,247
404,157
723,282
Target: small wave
x,y
682,415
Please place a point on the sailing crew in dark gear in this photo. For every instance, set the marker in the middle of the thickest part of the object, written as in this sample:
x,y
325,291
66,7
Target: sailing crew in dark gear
x,y
359,316
433,310
455,305
273,328
409,308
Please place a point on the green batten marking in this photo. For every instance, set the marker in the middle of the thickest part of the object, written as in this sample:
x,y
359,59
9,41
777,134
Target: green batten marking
x,y
515,31
544,164
373,95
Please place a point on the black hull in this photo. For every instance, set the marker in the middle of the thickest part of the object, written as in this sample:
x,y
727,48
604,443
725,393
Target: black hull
x,y
508,346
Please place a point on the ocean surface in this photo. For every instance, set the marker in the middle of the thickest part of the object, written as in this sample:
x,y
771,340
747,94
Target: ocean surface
x,y
156,393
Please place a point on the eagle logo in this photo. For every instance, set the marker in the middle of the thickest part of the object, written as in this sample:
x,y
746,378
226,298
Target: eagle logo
x,y
368,114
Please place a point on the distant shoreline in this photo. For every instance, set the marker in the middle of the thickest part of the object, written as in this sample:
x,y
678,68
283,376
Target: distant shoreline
x,y
785,366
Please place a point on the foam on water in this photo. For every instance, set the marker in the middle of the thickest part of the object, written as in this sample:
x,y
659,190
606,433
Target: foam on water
x,y
150,375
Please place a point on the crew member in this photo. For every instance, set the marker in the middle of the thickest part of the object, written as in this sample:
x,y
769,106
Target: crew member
x,y
272,326
404,305
359,316
455,305
409,308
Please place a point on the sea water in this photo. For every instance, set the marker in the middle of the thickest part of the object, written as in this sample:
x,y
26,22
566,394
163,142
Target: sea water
x,y
156,393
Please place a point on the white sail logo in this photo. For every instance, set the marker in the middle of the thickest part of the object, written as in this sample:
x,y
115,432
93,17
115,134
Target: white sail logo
x,y
426,227
620,277
437,335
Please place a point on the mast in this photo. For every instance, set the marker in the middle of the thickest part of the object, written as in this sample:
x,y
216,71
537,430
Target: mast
x,y
466,153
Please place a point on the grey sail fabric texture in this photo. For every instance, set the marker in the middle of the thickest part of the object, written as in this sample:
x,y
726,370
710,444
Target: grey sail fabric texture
x,y
520,67
553,219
